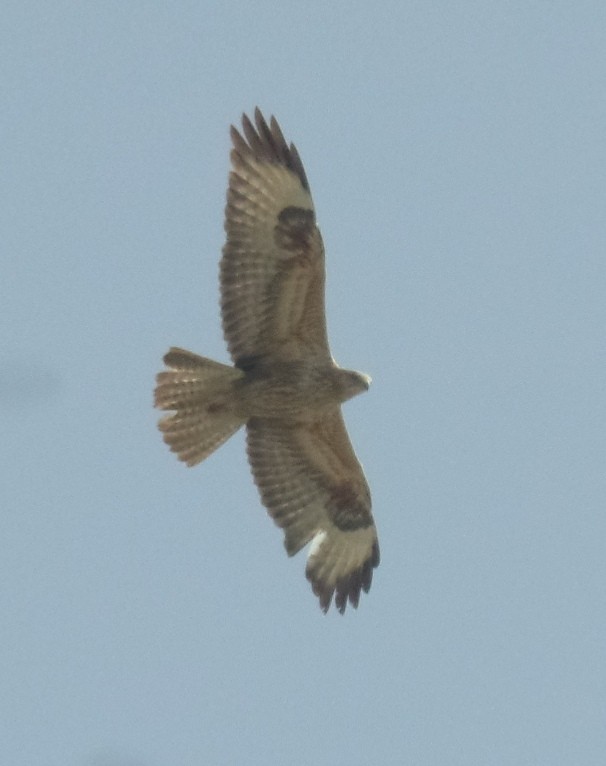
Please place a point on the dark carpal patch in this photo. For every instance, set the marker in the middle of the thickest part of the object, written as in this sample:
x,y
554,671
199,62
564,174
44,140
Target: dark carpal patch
x,y
295,229
247,363
345,509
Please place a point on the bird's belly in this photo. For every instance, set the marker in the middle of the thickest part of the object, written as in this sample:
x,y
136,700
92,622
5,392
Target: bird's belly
x,y
296,394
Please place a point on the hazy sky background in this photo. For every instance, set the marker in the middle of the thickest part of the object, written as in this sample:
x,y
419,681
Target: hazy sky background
x,y
456,153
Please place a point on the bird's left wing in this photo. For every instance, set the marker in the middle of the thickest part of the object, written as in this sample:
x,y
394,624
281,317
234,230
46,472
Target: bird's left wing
x,y
314,488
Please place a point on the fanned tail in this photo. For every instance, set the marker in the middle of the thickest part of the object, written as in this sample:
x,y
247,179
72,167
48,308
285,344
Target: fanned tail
x,y
201,392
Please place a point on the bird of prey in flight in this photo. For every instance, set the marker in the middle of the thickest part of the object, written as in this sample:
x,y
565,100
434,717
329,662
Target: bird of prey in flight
x,y
284,386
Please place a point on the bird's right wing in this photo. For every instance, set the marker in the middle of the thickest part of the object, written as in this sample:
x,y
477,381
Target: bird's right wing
x,y
272,270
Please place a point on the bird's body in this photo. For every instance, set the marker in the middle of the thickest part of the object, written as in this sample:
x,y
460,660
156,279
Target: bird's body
x,y
284,385
295,391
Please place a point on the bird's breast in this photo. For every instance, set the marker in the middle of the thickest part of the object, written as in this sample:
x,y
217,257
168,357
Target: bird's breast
x,y
289,390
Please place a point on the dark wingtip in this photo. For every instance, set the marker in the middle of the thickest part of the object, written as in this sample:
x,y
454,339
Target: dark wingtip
x,y
347,589
265,141
259,118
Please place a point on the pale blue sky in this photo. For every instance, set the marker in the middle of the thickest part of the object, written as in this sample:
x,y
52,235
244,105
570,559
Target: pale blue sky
x,y
456,153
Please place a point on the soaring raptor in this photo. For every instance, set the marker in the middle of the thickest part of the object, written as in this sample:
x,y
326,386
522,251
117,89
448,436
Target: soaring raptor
x,y
285,387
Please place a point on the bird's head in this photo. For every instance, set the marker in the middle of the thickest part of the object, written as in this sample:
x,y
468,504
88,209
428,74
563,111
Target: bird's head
x,y
353,383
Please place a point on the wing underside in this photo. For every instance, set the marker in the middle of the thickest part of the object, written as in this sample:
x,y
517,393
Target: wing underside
x,y
313,487
272,269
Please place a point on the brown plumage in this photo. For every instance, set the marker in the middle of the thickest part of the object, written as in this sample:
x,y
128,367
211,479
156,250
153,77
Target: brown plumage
x,y
284,385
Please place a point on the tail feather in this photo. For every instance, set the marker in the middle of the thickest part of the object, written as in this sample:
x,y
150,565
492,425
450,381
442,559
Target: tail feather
x,y
202,394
